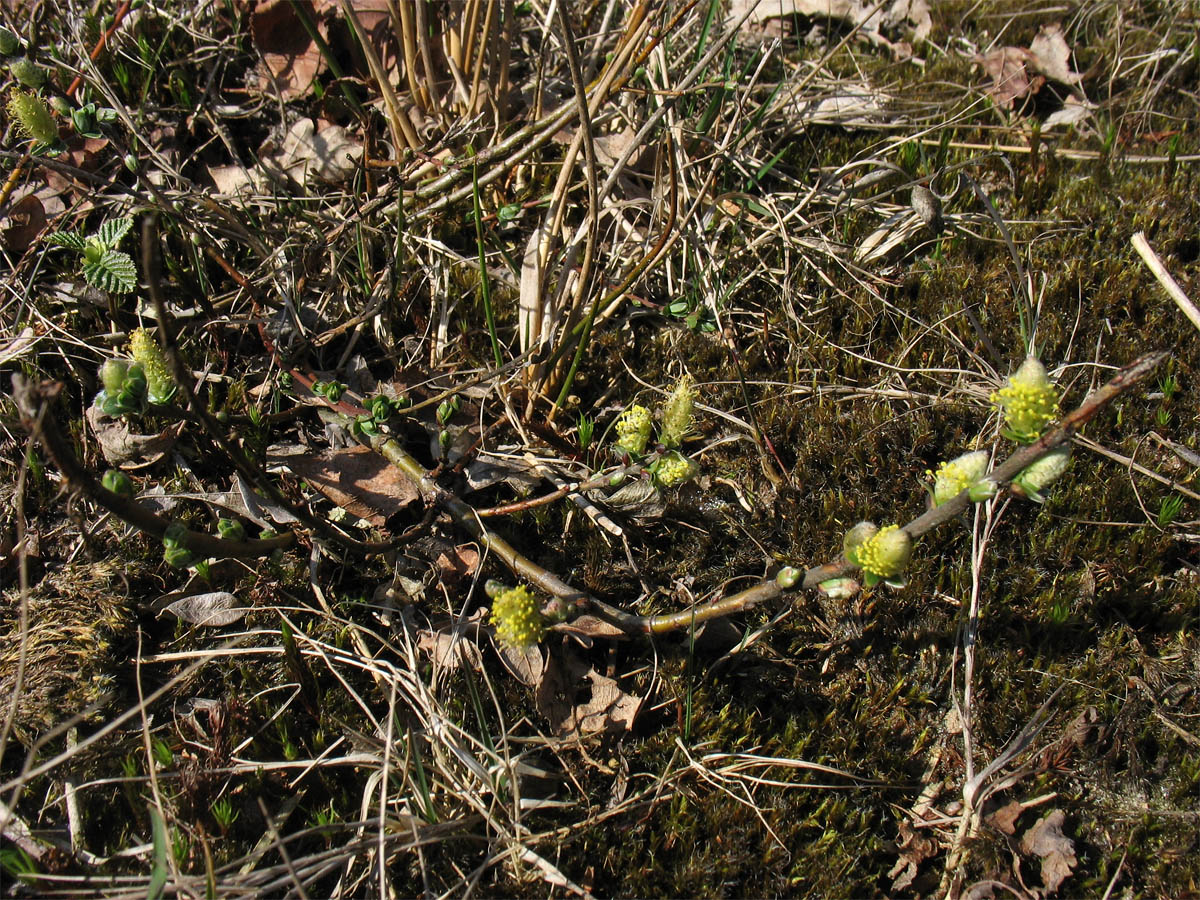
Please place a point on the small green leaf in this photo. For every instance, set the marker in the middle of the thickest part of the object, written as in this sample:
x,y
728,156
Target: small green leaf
x,y
68,239
112,231
113,271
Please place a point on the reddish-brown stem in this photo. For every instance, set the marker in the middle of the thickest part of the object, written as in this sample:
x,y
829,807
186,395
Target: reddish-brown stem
x,y
118,16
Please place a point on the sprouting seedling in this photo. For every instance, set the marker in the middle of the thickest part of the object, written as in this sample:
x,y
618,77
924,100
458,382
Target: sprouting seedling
x,y
1168,510
587,430
104,266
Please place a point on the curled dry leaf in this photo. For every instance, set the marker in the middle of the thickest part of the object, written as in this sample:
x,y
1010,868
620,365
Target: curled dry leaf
x,y
1050,55
1009,67
25,221
912,17
1010,81
126,450
213,610
916,846
1005,818
449,650
19,346
1056,851
527,664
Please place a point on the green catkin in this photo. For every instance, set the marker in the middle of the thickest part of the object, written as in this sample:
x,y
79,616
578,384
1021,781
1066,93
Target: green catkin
x,y
519,623
33,117
633,430
159,383
885,553
1029,401
957,475
677,413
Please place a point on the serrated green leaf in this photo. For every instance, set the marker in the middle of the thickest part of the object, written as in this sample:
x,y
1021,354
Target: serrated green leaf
x,y
113,271
112,231
68,239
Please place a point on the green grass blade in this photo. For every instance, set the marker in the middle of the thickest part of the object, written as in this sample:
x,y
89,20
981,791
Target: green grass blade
x,y
485,285
160,871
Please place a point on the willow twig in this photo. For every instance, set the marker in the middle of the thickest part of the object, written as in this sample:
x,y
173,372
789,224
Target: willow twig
x,y
33,402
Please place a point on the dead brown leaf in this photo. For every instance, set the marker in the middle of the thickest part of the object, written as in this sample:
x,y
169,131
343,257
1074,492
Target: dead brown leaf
x,y
357,479
915,847
1005,818
289,53
214,609
449,650
910,16
126,450
25,220
1010,81
577,700
457,564
327,154
1056,851
585,628
1050,55
527,664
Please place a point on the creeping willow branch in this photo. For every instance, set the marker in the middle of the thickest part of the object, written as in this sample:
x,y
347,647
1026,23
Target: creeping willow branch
x,y
770,588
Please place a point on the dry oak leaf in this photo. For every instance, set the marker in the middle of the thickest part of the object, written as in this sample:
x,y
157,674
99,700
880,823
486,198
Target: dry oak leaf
x,y
327,154
1056,851
915,847
357,479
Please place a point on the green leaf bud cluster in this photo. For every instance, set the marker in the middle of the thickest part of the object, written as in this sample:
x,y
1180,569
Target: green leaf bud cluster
x,y
118,482
124,390
515,613
175,554
330,390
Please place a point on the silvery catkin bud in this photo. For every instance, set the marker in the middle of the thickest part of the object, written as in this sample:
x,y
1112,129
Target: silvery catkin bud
x,y
1038,476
